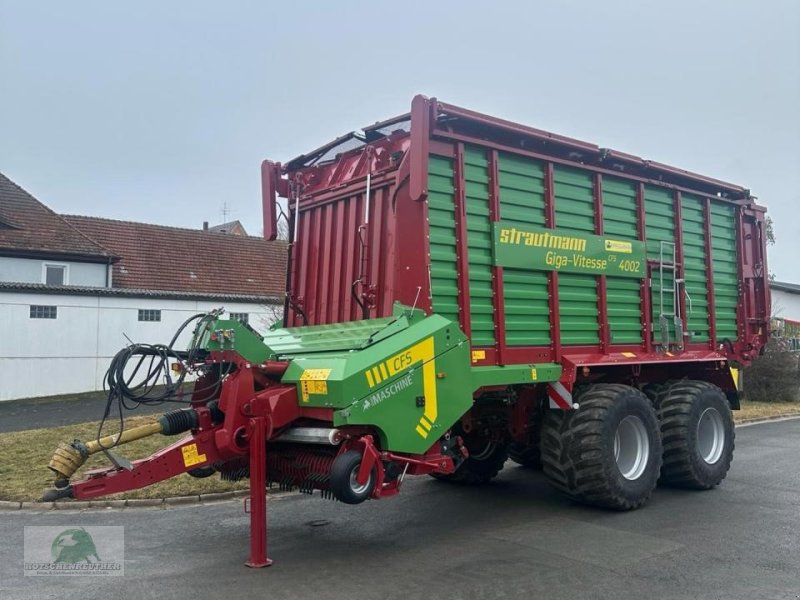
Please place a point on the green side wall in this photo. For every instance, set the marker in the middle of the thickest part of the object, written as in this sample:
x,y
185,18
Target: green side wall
x,y
521,183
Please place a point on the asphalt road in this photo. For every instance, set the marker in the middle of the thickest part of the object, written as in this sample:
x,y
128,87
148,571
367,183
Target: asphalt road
x,y
34,413
513,539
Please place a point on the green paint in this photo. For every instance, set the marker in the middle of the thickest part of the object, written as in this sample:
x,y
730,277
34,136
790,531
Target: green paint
x,y
724,266
525,292
227,334
515,374
562,250
623,294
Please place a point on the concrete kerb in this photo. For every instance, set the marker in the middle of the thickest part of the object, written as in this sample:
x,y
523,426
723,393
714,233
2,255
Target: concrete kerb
x,y
215,497
163,503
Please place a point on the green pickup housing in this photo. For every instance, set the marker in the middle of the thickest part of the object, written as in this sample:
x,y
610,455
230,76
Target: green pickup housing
x,y
408,376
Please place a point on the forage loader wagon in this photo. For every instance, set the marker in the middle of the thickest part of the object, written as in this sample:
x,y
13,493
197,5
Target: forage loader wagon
x,y
461,290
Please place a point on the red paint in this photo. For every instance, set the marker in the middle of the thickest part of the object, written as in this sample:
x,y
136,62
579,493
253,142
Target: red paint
x,y
258,495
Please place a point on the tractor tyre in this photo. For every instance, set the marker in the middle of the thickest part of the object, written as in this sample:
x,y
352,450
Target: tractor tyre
x,y
697,433
485,461
343,479
608,451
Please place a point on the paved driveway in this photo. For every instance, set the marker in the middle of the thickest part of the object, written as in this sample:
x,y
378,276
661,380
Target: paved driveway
x,y
513,539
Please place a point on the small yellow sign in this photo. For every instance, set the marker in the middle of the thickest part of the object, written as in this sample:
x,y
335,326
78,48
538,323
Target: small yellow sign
x,y
534,375
619,246
191,456
313,381
478,355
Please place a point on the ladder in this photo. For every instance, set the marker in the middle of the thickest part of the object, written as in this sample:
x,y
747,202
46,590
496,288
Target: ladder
x,y
668,250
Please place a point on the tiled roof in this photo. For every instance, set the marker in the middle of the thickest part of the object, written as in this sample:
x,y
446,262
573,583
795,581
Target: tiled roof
x,y
156,257
28,227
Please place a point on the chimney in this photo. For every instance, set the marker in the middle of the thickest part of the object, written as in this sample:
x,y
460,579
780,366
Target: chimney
x,y
205,225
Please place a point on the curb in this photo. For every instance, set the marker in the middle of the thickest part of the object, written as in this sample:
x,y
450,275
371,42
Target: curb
x,y
209,498
775,418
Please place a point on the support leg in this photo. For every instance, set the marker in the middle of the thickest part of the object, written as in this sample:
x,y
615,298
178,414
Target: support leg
x,y
258,490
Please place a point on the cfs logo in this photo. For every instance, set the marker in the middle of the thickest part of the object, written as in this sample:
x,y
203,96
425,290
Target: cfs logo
x,y
422,352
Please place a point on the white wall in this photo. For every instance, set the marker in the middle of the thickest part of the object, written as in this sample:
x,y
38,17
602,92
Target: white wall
x,y
30,270
785,305
43,357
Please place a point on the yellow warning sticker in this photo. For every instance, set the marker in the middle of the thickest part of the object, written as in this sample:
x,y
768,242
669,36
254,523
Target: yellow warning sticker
x,y
534,375
313,387
478,355
191,456
629,354
313,381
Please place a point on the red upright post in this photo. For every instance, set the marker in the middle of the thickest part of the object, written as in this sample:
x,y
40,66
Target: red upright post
x,y
258,494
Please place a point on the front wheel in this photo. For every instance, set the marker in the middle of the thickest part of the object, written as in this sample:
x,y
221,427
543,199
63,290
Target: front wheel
x,y
344,479
698,434
608,451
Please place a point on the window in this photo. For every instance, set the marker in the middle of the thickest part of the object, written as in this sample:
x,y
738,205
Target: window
x,y
243,318
39,311
54,274
149,314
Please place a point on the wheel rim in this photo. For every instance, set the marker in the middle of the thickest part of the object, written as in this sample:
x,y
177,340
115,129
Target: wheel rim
x,y
631,447
354,485
710,435
483,454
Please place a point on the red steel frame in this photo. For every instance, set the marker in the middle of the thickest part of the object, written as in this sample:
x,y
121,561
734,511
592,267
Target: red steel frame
x,y
442,129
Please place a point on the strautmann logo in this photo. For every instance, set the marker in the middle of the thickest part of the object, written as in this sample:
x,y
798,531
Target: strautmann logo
x,y
513,235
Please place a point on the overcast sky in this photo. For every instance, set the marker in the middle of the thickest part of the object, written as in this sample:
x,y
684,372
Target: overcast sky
x,y
162,111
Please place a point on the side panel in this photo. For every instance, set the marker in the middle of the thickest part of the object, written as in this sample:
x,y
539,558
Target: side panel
x,y
577,294
335,247
695,272
441,218
525,293
726,276
479,245
623,294
462,187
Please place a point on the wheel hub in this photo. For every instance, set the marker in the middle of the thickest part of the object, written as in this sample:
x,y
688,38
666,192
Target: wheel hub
x,y
710,435
359,489
631,447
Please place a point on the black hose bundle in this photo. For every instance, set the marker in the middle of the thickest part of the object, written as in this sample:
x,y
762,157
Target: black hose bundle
x,y
151,370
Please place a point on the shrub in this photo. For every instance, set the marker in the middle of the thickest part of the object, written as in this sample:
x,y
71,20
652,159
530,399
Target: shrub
x,y
774,376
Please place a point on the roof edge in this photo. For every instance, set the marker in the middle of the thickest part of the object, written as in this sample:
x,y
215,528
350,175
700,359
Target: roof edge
x,y
75,290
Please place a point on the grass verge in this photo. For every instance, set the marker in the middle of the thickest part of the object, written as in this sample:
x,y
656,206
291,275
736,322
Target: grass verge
x,y
765,410
24,456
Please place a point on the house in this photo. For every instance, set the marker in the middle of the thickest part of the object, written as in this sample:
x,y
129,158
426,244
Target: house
x,y
232,228
76,289
786,313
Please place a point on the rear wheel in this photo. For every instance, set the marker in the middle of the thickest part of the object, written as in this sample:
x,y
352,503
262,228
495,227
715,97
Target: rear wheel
x,y
608,451
698,434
